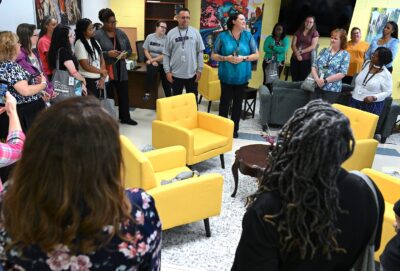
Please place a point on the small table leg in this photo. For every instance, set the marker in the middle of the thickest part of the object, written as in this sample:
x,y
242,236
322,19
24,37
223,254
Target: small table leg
x,y
235,169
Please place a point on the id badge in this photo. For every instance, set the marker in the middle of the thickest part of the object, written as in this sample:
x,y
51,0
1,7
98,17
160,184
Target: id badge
x,y
183,58
71,81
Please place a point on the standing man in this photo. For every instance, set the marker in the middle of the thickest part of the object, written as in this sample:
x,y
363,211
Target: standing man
x,y
183,55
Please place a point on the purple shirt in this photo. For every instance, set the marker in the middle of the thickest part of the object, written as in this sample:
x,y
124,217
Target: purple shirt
x,y
304,42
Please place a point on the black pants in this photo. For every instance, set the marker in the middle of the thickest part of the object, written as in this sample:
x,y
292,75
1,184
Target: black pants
x,y
229,93
299,69
92,87
347,79
328,96
151,83
121,88
189,84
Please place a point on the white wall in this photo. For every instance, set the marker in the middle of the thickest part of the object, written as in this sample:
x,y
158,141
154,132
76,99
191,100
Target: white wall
x,y
14,12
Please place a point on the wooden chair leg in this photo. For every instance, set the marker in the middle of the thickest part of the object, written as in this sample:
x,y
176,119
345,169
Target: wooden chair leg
x,y
221,156
207,226
209,106
201,97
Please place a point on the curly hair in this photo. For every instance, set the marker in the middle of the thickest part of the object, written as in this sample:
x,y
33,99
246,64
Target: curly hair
x,y
105,14
385,56
76,190
303,170
8,42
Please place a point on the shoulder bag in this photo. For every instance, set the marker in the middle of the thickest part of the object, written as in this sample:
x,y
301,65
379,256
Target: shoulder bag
x,y
365,261
63,83
309,83
271,71
107,104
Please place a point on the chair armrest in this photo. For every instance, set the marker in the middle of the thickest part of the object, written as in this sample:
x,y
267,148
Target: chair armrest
x,y
363,155
213,75
166,134
390,120
387,184
215,124
167,158
188,200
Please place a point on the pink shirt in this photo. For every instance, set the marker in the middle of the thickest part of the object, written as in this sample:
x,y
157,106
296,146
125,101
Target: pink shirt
x,y
304,42
11,151
43,47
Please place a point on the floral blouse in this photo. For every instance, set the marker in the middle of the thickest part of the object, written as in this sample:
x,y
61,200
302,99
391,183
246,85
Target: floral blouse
x,y
12,73
142,254
328,64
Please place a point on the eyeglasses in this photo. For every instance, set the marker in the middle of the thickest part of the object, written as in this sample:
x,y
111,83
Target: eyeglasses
x,y
112,22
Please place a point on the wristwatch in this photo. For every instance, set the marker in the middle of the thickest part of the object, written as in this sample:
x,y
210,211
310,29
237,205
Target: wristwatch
x,y
245,58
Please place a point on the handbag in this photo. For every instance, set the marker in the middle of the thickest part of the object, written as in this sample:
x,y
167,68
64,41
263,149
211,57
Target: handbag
x,y
309,83
365,261
63,83
107,104
271,72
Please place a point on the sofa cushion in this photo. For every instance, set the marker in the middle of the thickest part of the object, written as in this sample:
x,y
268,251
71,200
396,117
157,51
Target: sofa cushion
x,y
285,84
205,141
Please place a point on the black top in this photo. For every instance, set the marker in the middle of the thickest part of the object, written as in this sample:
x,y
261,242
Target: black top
x,y
390,258
65,55
259,247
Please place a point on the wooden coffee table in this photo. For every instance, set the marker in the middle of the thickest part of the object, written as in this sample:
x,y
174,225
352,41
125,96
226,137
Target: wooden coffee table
x,y
251,160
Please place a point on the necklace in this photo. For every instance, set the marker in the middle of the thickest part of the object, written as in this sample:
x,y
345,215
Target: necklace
x,y
366,79
237,40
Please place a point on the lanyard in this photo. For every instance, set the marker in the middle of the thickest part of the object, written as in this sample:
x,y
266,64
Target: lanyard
x,y
365,81
330,58
236,52
183,38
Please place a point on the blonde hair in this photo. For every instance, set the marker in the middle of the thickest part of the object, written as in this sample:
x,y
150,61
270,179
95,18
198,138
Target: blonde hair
x,y
8,41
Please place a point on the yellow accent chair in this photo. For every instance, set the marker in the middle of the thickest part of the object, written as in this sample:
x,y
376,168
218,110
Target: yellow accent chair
x,y
209,85
363,125
390,189
177,203
203,135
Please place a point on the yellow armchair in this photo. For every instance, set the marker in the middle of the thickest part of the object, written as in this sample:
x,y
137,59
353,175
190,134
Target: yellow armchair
x,y
177,203
390,189
363,125
202,134
209,85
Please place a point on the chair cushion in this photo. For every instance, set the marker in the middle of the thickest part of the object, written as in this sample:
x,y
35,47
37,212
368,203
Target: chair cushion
x,y
169,174
205,141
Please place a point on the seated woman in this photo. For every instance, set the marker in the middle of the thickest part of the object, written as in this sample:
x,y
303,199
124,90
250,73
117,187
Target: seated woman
x,y
304,215
82,218
390,258
330,68
374,83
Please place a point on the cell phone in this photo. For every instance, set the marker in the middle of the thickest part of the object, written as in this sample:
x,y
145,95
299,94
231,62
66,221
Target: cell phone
x,y
3,91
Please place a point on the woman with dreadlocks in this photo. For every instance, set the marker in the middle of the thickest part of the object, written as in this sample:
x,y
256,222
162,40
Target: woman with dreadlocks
x,y
309,213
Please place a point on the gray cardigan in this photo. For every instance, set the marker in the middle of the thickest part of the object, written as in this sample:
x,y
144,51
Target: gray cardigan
x,y
107,45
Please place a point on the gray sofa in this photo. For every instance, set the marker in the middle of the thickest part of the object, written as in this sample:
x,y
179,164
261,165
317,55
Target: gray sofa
x,y
277,108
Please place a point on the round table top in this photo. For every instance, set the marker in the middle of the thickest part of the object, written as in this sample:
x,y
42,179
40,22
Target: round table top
x,y
253,156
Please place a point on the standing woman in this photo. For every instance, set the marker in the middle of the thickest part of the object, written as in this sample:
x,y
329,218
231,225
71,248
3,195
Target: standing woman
x,y
304,41
116,48
275,48
374,83
28,96
389,39
234,48
28,57
60,49
153,47
48,26
330,67
90,57
357,49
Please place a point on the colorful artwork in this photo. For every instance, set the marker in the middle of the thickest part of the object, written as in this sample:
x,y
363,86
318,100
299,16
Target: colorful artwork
x,y
67,12
215,14
378,20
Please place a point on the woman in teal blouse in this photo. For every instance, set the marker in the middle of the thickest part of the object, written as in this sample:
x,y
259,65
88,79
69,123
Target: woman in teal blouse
x,y
275,48
234,48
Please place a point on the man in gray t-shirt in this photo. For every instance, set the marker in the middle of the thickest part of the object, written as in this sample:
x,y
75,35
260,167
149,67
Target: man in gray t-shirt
x,y
183,55
153,48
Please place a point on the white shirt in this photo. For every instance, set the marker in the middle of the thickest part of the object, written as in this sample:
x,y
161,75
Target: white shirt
x,y
379,86
81,53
